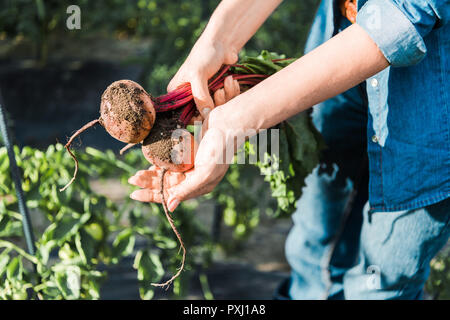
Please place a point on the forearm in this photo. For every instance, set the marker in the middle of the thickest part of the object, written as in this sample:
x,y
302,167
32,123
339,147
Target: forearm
x,y
339,64
234,22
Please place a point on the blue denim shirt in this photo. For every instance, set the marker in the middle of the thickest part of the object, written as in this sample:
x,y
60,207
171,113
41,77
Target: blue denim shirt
x,y
408,124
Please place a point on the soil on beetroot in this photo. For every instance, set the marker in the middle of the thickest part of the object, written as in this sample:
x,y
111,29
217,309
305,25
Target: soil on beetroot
x,y
159,143
126,105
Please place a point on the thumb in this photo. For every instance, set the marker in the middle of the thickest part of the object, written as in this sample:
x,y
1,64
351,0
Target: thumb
x,y
177,194
202,98
173,84
191,187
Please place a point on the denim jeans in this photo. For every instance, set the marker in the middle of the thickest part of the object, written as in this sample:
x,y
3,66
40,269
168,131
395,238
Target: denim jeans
x,y
380,255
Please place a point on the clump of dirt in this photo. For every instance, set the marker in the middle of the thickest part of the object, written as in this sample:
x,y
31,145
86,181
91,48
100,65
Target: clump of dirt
x,y
159,142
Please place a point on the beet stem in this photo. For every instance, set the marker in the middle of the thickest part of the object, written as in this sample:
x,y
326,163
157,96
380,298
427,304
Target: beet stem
x,y
220,76
67,146
180,240
174,94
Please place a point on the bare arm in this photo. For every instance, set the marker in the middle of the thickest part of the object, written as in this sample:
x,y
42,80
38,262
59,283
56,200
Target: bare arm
x,y
339,64
232,24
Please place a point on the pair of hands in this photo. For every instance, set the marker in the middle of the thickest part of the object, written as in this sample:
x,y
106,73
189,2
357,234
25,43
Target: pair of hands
x,y
202,63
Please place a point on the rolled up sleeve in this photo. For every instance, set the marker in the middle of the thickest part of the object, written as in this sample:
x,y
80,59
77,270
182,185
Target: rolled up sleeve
x,y
399,26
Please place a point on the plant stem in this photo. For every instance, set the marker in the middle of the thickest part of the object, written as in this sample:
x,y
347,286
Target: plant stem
x,y
20,251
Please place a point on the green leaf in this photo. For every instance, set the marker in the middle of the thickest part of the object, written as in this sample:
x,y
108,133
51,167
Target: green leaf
x,y
68,280
164,242
14,271
304,142
85,245
300,145
149,269
123,245
4,220
4,259
44,250
65,228
95,230
40,9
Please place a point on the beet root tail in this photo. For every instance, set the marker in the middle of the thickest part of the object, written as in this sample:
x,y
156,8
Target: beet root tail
x,y
67,146
180,240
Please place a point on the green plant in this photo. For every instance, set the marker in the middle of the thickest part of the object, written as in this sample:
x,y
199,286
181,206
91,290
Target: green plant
x,y
79,230
438,284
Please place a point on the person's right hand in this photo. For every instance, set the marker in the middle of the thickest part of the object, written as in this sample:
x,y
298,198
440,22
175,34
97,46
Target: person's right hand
x,y
204,60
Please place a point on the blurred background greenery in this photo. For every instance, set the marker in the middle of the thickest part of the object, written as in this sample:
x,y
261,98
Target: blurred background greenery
x,y
51,80
172,27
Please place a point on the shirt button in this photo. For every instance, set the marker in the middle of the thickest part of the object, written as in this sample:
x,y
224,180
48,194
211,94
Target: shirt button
x,y
374,82
374,139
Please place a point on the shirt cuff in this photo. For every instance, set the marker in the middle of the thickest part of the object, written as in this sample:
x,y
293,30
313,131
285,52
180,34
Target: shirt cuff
x,y
392,31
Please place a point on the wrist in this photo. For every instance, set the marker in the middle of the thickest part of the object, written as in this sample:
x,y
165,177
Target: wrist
x,y
219,33
222,45
229,118
230,135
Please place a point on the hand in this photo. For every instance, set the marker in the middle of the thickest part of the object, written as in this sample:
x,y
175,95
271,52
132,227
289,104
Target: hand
x,y
204,60
210,167
176,184
202,179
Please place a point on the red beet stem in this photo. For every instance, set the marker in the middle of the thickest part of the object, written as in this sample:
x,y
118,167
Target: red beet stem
x,y
187,113
176,94
245,76
182,95
175,104
220,75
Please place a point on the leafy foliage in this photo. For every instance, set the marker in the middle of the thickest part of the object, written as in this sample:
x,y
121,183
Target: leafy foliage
x,y
299,142
438,284
173,26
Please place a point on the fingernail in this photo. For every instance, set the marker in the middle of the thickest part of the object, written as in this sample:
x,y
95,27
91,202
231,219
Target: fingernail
x,y
173,204
133,195
132,180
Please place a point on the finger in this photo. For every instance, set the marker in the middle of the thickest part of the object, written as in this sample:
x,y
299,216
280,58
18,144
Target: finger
x,y
219,97
146,173
229,88
193,186
147,195
175,82
237,88
197,183
142,174
152,179
180,192
201,95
